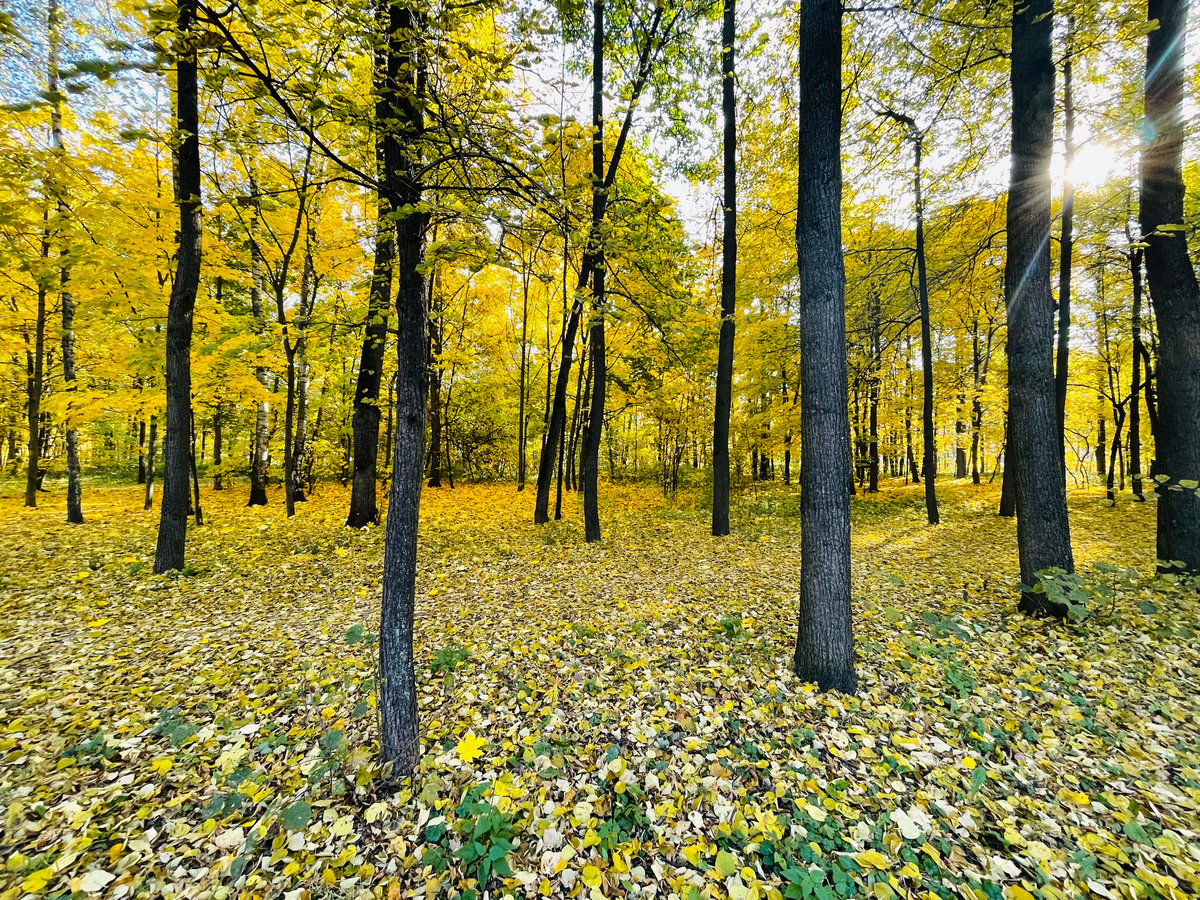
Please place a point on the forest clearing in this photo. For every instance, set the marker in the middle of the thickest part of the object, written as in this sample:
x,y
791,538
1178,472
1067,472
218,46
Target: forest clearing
x,y
612,719
676,449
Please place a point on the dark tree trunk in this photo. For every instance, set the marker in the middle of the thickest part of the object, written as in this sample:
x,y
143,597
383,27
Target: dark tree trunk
x,y
141,476
522,424
365,421
1135,387
262,410
1043,532
1101,443
67,300
720,508
873,398
929,454
590,463
196,509
1066,245
35,385
150,461
400,738
1174,289
1008,482
172,523
218,478
824,638
558,415
437,415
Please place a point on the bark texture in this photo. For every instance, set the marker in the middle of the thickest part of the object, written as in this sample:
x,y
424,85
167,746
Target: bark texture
x,y
824,639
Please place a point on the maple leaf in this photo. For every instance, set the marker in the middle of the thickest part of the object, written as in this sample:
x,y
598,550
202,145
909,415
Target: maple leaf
x,y
470,747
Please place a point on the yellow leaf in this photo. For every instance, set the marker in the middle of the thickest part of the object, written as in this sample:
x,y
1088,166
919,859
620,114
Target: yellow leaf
x,y
871,859
591,876
470,747
36,882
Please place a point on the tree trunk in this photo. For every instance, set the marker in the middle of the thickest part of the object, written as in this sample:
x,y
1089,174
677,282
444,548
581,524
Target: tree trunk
x,y
720,508
929,453
172,523
218,478
148,502
1135,388
1066,245
262,411
196,509
67,300
824,638
35,385
590,463
1043,532
400,738
558,416
365,421
141,476
522,424
1174,289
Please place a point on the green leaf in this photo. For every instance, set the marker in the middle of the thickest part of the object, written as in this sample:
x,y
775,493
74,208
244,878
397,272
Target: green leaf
x,y
297,816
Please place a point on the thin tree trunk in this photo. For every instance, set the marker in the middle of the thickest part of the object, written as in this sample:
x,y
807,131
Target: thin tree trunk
x,y
149,496
218,478
365,421
172,523
141,476
196,509
262,411
724,399
67,300
824,638
1066,245
1135,392
590,464
558,416
35,385
929,457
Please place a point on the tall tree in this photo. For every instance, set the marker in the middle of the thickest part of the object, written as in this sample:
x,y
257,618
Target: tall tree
x,y
365,423
724,402
1062,354
1173,288
656,36
398,689
66,297
1043,532
825,636
590,463
172,523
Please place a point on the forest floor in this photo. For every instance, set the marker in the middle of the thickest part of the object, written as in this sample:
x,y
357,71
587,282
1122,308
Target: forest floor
x,y
614,720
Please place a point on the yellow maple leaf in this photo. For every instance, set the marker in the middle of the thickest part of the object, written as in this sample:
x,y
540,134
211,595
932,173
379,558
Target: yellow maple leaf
x,y
470,747
591,876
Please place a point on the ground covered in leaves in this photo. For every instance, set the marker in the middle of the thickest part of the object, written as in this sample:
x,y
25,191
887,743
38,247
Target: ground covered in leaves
x,y
599,721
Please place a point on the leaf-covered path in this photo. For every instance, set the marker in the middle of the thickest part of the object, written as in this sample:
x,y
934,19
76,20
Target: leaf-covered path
x,y
612,720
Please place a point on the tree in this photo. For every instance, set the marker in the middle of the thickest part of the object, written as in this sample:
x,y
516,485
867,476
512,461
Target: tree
x,y
406,78
363,510
1043,532
66,299
1173,289
590,463
825,637
172,523
724,401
